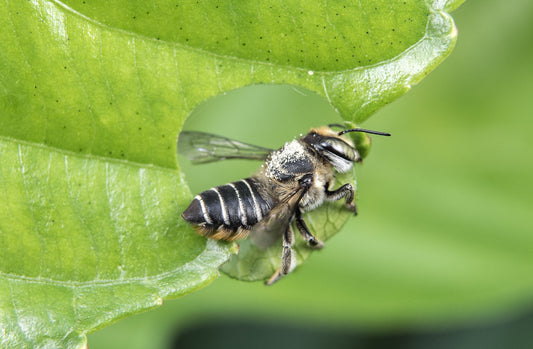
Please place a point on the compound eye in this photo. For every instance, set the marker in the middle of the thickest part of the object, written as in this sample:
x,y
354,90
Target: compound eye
x,y
340,148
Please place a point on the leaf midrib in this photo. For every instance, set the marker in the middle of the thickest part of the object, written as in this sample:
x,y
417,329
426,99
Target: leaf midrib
x,y
212,250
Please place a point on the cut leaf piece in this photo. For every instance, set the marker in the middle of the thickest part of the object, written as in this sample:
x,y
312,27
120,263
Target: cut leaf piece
x,y
253,263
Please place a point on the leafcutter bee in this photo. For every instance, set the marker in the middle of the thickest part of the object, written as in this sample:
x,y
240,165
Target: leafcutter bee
x,y
296,178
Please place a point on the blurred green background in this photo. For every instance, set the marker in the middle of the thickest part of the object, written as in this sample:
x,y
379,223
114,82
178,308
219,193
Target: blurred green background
x,y
443,244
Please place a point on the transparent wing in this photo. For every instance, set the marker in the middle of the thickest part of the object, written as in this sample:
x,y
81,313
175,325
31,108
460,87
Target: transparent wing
x,y
271,228
201,148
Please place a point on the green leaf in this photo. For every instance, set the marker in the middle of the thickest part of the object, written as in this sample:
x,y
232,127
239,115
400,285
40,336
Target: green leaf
x,y
92,97
88,240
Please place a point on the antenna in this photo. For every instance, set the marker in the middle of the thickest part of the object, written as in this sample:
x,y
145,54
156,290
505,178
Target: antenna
x,y
365,131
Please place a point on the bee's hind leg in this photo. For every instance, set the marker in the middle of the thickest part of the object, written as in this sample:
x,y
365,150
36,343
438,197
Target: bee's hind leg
x,y
306,234
286,257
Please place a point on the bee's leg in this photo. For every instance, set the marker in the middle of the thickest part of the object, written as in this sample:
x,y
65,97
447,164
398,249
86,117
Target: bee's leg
x,y
346,191
286,257
306,234
286,267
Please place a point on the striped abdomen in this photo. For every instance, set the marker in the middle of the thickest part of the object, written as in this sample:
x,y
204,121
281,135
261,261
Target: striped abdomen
x,y
228,211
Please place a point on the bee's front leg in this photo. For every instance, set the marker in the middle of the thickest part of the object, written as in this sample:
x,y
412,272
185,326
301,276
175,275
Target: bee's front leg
x,y
346,191
286,257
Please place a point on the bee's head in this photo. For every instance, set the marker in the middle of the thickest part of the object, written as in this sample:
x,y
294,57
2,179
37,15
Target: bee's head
x,y
337,149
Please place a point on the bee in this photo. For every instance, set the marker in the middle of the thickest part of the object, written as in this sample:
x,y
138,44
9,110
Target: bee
x,y
294,179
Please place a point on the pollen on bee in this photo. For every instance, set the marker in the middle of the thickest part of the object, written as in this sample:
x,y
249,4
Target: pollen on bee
x,y
291,152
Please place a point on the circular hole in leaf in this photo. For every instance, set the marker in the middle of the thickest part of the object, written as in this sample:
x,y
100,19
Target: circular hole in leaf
x,y
267,116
